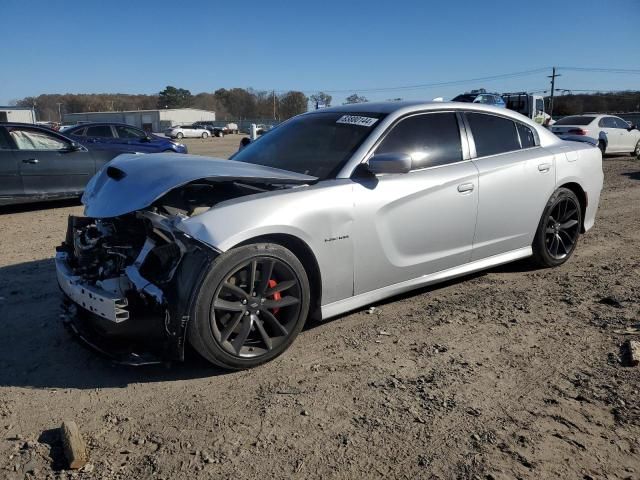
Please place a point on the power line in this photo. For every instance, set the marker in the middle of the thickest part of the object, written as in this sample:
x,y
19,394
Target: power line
x,y
601,70
471,80
434,84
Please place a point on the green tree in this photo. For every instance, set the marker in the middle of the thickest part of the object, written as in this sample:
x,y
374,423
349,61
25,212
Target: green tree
x,y
292,103
172,97
321,98
355,98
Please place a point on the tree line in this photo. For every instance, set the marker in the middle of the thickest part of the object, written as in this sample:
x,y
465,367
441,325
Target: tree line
x,y
247,103
611,102
229,104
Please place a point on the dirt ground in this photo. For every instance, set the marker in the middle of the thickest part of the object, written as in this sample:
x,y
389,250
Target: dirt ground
x,y
511,373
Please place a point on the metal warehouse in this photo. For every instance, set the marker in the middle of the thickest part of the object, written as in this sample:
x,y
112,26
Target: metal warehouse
x,y
17,114
149,120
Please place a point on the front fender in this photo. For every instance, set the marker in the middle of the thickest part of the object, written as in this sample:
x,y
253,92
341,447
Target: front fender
x,y
321,216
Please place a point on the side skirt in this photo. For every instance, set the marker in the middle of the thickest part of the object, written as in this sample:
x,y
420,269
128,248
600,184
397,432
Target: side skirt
x,y
352,303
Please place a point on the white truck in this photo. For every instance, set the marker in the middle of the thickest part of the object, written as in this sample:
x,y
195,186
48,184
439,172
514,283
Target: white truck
x,y
529,105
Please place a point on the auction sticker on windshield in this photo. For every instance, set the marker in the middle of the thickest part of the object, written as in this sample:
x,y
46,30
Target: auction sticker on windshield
x,y
357,120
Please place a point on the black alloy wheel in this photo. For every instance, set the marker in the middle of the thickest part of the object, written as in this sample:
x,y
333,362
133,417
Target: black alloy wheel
x,y
558,230
251,306
563,228
255,307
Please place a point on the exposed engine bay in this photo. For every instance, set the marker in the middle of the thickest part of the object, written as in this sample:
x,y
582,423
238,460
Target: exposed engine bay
x,y
134,265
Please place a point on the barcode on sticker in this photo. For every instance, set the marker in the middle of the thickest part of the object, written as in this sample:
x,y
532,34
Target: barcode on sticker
x,y
357,120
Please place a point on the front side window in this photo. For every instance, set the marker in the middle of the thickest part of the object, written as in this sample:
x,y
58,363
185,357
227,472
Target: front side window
x,y
128,132
317,144
26,139
493,134
620,123
102,131
430,139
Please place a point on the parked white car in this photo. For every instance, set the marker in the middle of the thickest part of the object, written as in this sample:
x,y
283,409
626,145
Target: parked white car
x,y
187,131
611,134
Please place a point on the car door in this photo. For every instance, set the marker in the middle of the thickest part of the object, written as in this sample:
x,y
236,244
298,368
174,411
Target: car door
x,y
413,224
10,181
516,179
133,140
48,163
627,140
100,137
611,134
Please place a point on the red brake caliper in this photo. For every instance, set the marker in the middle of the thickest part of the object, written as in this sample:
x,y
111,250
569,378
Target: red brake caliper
x,y
276,296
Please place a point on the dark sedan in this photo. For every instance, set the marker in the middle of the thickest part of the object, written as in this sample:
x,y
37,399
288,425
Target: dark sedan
x,y
38,163
121,138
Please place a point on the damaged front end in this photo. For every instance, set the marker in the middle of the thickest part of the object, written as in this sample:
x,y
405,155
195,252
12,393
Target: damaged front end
x,y
128,284
129,275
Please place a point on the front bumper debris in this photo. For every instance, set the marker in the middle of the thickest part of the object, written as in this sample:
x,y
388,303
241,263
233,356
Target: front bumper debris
x,y
107,305
128,318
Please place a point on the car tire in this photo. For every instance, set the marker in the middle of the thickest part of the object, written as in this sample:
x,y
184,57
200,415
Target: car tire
x,y
559,229
205,135
238,324
602,146
179,136
636,151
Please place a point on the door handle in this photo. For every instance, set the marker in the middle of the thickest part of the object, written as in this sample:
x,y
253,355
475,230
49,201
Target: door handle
x,y
465,187
30,160
544,167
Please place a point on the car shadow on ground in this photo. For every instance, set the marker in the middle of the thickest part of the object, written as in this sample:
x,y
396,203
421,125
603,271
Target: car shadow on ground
x,y
632,175
30,207
37,351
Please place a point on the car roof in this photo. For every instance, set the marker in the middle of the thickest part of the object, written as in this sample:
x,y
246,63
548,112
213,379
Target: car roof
x,y
407,107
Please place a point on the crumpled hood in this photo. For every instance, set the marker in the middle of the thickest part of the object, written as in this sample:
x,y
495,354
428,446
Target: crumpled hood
x,y
133,182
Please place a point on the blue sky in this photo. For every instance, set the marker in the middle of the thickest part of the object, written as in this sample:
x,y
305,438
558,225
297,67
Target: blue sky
x,y
138,46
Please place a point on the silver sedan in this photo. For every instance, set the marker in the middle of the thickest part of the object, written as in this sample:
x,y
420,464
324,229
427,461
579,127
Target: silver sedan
x,y
331,211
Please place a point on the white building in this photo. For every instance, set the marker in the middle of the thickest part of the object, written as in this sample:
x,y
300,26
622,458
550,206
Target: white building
x,y
149,120
17,114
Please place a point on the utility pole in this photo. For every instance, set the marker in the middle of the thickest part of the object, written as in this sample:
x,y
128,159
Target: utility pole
x,y
553,84
274,104
59,113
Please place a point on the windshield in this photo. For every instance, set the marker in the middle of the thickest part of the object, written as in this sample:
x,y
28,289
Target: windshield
x,y
575,120
318,144
466,97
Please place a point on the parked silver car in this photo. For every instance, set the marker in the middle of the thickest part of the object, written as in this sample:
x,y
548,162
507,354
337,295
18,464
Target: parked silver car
x,y
187,131
331,211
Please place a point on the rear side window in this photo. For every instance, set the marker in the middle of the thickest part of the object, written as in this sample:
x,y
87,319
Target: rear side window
x,y
430,139
78,133
575,120
493,134
527,138
103,131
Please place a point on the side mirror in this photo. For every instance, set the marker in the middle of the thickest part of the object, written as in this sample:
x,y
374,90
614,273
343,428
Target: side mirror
x,y
75,147
633,126
390,163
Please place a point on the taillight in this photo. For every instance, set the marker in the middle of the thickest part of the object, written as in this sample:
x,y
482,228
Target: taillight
x,y
577,131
